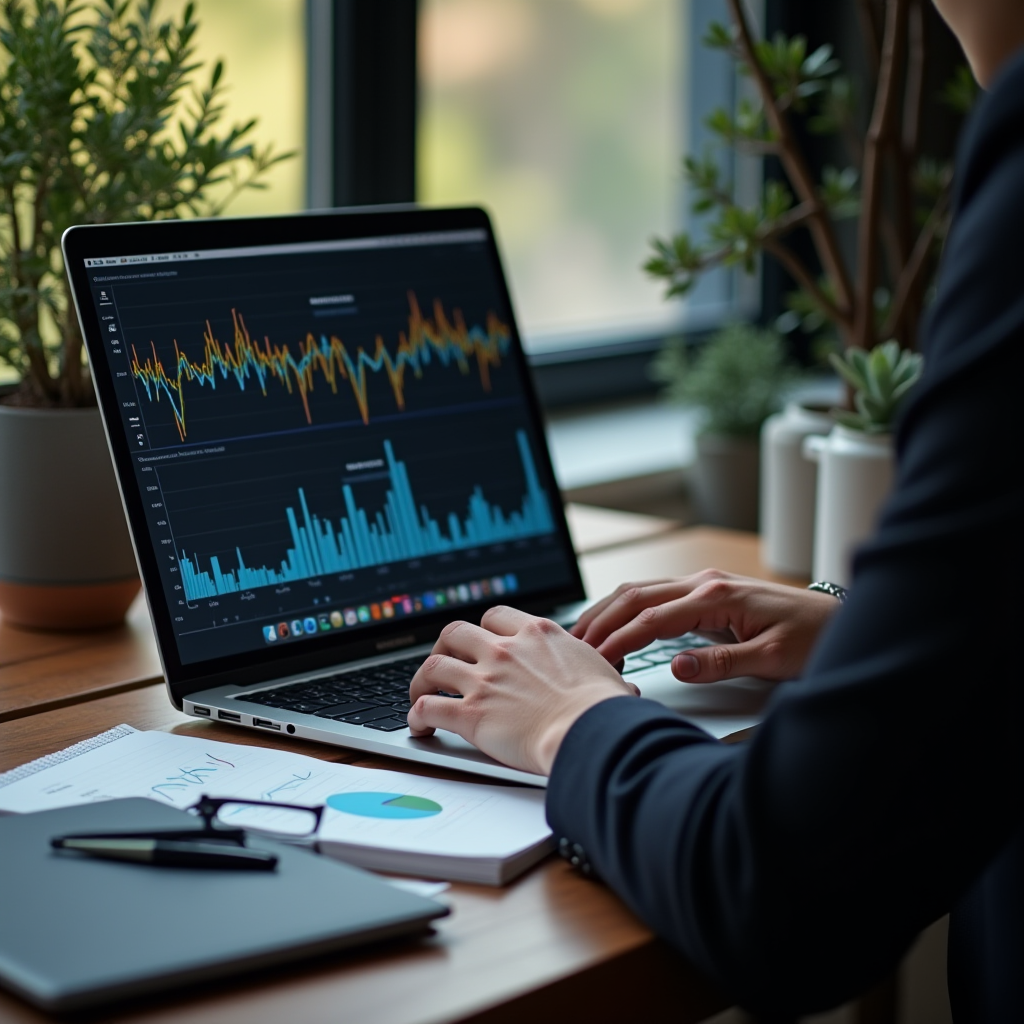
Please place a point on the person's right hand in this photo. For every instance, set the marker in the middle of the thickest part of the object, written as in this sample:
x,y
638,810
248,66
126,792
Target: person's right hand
x,y
761,629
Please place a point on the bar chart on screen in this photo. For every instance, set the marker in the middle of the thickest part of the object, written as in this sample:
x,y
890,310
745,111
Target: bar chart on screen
x,y
401,530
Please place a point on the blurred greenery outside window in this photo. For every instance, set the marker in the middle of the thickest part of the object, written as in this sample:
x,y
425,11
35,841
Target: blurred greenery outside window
x,y
565,119
263,46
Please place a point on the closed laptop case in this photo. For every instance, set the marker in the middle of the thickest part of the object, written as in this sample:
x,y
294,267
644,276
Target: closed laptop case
x,y
77,931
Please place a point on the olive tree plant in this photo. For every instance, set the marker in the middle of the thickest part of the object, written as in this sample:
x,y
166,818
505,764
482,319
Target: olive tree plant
x,y
100,121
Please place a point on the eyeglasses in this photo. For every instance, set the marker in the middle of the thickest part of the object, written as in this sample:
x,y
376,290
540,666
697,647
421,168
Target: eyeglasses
x,y
226,820
225,815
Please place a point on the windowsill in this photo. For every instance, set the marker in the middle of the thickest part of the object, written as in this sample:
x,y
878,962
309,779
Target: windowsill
x,y
602,444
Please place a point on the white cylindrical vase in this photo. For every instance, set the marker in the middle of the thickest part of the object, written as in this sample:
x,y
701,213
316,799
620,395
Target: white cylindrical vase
x,y
789,487
855,473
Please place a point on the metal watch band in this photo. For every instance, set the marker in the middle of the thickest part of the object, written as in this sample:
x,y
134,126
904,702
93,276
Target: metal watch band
x,y
833,589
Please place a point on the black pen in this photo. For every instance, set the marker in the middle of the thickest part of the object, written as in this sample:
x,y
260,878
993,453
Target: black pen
x,y
169,852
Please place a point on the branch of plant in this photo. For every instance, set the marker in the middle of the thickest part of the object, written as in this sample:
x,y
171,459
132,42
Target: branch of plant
x,y
913,94
912,272
799,272
771,232
821,226
879,138
869,29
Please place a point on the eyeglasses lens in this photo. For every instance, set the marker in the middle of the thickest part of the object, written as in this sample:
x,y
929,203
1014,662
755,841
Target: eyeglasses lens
x,y
281,821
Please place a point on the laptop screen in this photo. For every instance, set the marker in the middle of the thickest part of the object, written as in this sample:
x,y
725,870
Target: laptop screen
x,y
326,436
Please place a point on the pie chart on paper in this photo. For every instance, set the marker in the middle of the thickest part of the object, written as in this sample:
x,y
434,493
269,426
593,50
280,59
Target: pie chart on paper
x,y
383,805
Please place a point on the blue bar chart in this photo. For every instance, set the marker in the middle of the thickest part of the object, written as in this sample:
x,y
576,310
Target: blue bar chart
x,y
399,531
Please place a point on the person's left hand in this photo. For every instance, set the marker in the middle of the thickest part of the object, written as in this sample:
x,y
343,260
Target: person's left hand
x,y
524,681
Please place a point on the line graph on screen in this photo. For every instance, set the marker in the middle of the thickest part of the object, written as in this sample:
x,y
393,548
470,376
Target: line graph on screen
x,y
245,361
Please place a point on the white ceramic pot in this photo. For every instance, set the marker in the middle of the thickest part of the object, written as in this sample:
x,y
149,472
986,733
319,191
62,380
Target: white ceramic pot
x,y
855,473
789,484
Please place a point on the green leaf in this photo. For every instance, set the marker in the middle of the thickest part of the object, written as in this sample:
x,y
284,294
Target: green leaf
x,y
961,91
718,37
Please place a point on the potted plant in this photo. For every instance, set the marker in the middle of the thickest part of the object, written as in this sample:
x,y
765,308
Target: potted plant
x,y
100,121
852,295
855,461
736,379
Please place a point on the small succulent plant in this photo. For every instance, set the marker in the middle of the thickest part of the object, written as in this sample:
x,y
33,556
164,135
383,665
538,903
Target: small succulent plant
x,y
880,380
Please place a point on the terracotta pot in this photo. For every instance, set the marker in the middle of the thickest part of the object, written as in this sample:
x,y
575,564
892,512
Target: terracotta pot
x,y
66,561
726,479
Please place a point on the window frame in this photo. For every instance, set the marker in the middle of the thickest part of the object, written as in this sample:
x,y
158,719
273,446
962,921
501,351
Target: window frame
x,y
361,132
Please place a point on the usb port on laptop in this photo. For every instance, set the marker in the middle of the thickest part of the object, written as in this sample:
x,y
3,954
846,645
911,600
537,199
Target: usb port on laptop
x,y
197,710
229,716
265,723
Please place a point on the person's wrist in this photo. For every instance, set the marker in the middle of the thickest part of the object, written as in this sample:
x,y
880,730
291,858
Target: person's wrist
x,y
551,738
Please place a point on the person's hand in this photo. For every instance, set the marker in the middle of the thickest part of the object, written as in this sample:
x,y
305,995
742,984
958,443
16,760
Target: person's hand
x,y
761,629
524,681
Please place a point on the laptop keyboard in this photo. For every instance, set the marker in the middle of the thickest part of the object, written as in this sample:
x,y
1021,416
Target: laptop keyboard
x,y
661,652
378,697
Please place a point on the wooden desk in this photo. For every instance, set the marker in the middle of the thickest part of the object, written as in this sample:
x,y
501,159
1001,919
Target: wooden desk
x,y
41,671
552,946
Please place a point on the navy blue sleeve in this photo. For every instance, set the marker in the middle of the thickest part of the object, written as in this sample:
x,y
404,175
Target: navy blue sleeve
x,y
797,868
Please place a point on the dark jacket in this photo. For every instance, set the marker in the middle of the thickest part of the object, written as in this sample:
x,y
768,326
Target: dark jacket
x,y
885,787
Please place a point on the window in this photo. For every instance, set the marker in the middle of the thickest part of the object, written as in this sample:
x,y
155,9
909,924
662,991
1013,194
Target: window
x,y
566,120
263,45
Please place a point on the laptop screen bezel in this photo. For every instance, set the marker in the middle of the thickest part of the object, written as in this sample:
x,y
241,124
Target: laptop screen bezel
x,y
265,664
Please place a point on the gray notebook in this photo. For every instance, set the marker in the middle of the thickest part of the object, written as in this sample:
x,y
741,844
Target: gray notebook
x,y
77,932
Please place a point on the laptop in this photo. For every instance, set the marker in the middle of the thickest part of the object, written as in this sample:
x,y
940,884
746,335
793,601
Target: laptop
x,y
328,446
77,932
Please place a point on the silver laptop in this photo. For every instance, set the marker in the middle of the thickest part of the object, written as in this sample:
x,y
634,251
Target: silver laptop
x,y
328,447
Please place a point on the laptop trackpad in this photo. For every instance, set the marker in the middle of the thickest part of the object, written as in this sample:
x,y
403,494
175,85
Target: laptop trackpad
x,y
450,744
721,709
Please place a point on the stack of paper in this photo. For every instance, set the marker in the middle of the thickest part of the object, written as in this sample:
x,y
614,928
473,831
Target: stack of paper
x,y
384,821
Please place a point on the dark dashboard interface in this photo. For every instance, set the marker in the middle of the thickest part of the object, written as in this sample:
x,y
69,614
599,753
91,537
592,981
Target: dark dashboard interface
x,y
326,436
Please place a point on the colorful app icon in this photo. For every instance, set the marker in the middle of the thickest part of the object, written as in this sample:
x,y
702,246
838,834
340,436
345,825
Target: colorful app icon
x,y
350,616
270,634
498,585
309,624
363,613
428,601
417,604
375,611
485,586
511,583
463,593
440,598
323,620
283,631
476,591
388,609
296,627
336,620
407,605
453,595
